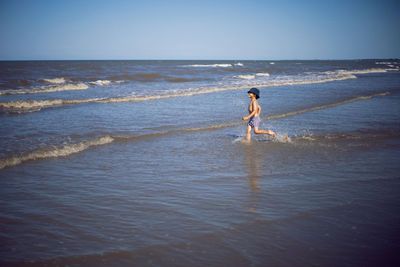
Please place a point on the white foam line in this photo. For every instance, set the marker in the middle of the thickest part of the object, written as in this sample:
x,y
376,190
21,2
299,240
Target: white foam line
x,y
48,89
246,77
81,146
35,104
20,105
101,82
212,65
55,152
365,71
54,80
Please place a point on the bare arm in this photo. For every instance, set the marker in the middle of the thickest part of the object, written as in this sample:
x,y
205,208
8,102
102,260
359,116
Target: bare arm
x,y
253,113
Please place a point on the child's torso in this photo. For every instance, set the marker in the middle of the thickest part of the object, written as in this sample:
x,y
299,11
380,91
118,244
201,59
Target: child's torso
x,y
256,106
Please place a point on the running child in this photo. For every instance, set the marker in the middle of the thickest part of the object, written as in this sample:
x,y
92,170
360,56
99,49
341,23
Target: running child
x,y
254,115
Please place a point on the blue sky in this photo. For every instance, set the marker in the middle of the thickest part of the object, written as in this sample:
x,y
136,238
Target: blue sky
x,y
204,29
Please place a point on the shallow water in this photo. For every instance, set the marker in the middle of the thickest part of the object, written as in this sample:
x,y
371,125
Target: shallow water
x,y
169,182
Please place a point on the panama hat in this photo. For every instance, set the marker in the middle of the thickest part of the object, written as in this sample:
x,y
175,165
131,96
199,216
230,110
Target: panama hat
x,y
255,91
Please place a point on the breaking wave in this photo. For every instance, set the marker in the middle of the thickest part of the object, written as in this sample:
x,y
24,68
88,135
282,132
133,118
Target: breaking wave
x,y
101,82
329,76
387,63
70,149
55,152
47,89
246,77
365,71
252,76
54,80
213,65
311,77
20,105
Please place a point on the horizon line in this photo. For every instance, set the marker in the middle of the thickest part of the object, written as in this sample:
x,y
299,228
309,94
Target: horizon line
x,y
314,59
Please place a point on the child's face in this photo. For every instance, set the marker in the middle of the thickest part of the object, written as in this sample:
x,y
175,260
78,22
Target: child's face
x,y
250,95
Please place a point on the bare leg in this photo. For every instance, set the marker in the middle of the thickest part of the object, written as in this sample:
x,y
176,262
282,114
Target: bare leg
x,y
257,131
248,133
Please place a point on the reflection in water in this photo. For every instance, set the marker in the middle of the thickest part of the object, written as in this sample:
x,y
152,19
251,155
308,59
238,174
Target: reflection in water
x,y
253,165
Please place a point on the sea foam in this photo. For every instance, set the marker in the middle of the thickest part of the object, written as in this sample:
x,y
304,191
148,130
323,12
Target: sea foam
x,y
47,89
69,149
101,82
246,77
54,80
315,78
19,105
211,65
55,152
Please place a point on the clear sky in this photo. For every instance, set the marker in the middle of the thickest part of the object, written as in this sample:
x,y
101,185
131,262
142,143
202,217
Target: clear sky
x,y
203,29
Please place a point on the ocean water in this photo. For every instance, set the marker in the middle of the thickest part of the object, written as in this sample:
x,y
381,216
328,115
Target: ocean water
x,y
143,163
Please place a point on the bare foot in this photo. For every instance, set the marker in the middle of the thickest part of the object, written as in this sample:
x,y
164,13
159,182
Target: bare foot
x,y
271,133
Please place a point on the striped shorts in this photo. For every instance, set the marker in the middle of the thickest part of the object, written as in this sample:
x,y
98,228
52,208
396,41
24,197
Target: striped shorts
x,y
254,121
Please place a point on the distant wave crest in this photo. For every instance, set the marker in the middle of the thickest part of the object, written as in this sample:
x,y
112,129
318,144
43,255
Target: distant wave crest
x,y
365,71
54,80
221,65
145,77
252,76
101,82
329,76
246,77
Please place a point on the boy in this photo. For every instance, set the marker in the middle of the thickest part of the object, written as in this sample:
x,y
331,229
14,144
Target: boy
x,y
254,115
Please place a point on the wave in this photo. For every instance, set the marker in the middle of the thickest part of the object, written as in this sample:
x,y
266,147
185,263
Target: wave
x,y
313,77
387,63
54,80
55,152
349,73
364,71
262,74
293,113
67,150
246,77
20,105
101,82
107,139
252,76
35,105
48,89
213,65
